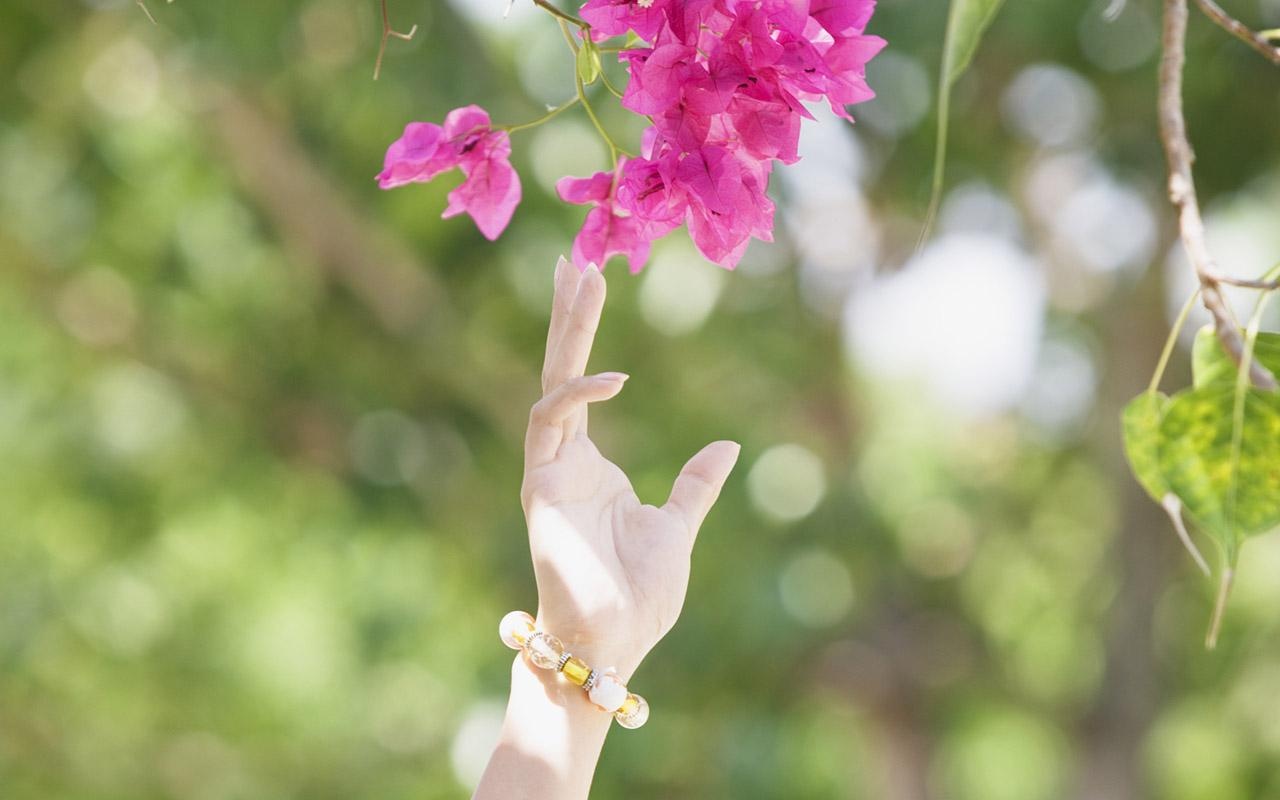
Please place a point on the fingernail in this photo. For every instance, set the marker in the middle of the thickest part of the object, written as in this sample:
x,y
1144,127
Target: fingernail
x,y
617,377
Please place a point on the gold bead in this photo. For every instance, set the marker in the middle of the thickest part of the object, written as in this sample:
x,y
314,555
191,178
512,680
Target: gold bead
x,y
576,670
634,712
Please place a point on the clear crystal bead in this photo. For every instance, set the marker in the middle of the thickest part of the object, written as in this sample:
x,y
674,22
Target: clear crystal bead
x,y
544,650
515,628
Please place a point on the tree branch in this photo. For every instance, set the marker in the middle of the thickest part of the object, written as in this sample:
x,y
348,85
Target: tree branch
x,y
1241,31
1182,188
387,33
1248,283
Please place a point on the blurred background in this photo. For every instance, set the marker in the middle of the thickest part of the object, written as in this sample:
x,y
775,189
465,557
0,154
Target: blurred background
x,y
260,424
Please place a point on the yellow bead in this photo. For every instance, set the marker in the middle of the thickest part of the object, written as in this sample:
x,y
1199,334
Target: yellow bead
x,y
634,712
576,670
515,629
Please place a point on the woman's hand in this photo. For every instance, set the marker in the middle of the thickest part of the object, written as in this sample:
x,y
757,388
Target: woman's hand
x,y
611,571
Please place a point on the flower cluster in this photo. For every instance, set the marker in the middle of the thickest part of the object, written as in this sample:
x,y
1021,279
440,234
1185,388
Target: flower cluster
x,y
491,190
724,84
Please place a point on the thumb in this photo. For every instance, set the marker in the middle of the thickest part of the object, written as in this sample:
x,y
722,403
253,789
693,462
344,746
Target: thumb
x,y
699,483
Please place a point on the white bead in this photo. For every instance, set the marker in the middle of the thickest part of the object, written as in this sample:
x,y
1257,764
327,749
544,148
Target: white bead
x,y
515,629
638,716
609,692
544,650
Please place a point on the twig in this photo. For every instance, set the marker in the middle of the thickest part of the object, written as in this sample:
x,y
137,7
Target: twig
x,y
387,33
1182,188
1248,283
551,114
143,5
555,12
1258,41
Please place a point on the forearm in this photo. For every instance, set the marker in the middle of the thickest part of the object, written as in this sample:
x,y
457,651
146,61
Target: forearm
x,y
550,743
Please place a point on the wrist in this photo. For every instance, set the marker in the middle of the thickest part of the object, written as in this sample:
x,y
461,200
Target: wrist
x,y
601,650
550,741
546,712
558,666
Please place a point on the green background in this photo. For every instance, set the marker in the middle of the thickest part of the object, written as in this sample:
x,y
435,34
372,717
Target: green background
x,y
260,431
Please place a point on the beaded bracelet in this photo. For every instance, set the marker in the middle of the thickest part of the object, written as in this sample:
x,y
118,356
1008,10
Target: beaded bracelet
x,y
605,689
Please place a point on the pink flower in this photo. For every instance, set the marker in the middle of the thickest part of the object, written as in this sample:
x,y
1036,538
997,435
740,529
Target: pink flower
x,y
728,204
658,77
615,17
725,85
491,190
647,191
608,229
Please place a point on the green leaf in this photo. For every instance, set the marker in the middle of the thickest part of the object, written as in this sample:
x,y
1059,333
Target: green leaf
x,y
967,22
969,19
1231,494
1210,364
1141,424
588,63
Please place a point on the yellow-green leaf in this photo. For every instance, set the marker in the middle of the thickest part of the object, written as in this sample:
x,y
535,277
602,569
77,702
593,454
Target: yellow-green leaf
x,y
1211,365
1141,425
1230,486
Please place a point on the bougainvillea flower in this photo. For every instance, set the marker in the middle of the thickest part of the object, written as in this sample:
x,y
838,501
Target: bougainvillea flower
x,y
491,190
610,18
608,229
658,77
724,84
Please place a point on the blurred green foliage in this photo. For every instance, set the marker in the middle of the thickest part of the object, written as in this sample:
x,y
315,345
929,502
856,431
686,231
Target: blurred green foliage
x,y
260,433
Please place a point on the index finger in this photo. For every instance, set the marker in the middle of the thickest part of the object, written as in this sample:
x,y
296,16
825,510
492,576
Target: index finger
x,y
572,352
566,286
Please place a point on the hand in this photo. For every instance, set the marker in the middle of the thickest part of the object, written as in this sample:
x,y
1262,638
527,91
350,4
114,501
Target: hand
x,y
611,571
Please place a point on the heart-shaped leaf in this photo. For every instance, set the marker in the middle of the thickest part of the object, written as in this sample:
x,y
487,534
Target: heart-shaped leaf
x,y
1210,364
1141,425
1229,484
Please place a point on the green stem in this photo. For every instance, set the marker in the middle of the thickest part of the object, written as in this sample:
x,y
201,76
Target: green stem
x,y
614,150
547,117
586,106
1220,606
1243,384
1172,341
609,84
564,17
1271,34
568,38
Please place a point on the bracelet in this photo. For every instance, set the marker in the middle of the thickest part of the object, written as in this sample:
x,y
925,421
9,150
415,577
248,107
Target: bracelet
x,y
605,689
